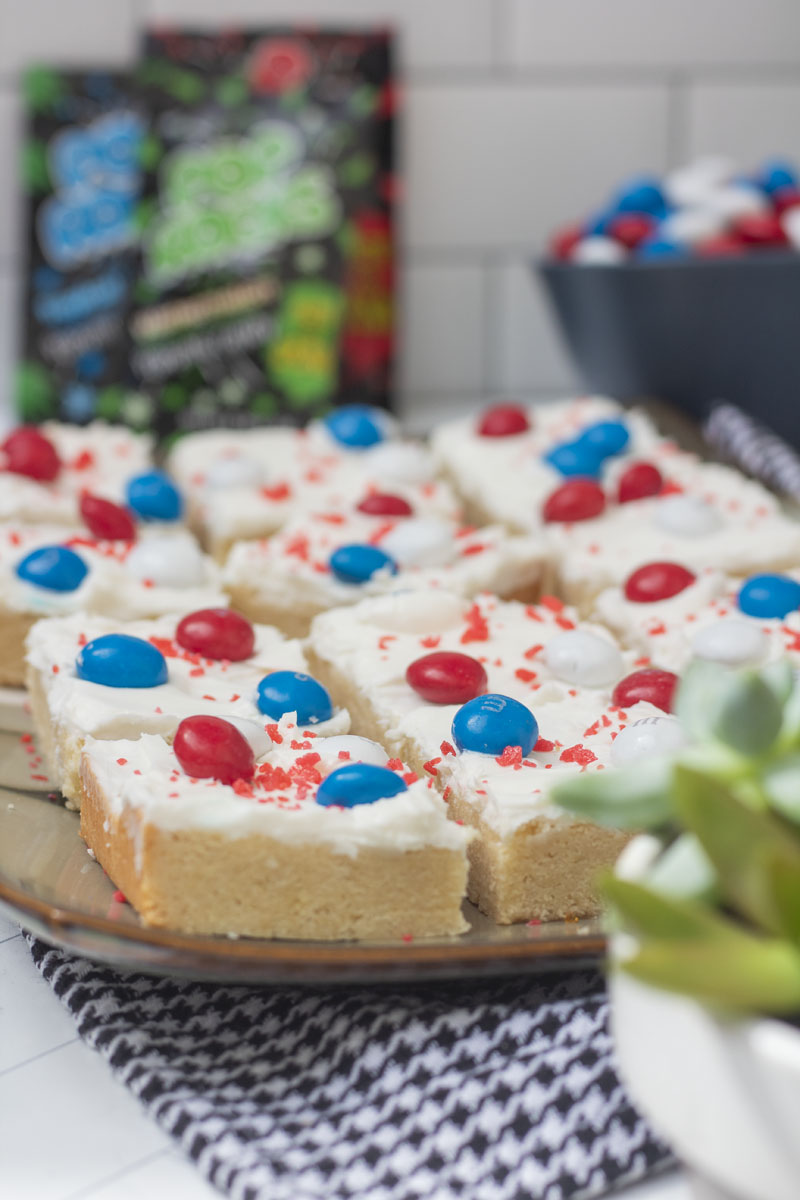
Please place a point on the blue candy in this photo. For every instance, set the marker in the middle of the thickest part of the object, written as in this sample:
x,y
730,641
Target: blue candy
x,y
575,458
597,226
642,196
766,596
56,568
777,175
356,563
154,497
358,783
489,723
356,425
121,661
283,692
605,438
658,247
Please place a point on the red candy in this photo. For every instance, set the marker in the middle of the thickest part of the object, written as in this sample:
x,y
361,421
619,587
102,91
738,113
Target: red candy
x,y
785,198
639,480
657,581
564,241
631,228
654,686
447,677
210,748
218,633
29,452
721,246
760,229
575,500
105,520
383,504
503,420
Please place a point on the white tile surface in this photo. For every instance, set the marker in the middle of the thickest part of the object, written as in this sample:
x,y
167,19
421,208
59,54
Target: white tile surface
x,y
62,1102
434,33
32,1020
526,349
502,165
751,122
641,33
443,327
67,32
168,1175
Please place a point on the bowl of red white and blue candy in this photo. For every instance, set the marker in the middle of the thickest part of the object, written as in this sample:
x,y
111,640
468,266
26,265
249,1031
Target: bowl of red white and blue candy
x,y
685,288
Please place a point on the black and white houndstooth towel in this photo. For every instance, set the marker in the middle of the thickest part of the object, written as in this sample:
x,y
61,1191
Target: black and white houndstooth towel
x,y
491,1090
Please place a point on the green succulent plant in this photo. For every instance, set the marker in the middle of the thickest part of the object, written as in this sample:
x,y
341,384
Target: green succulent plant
x,y
714,906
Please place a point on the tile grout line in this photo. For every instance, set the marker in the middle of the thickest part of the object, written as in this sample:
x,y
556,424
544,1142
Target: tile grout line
x,y
11,937
35,1057
85,1193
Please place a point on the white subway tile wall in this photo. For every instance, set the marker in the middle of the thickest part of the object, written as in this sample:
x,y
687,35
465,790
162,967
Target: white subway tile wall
x,y
519,114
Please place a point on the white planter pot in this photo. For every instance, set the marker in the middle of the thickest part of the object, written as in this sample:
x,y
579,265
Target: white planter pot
x,y
724,1094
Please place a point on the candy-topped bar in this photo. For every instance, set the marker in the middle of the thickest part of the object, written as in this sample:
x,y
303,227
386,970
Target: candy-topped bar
x,y
430,676
672,615
95,677
712,517
45,469
50,571
317,838
334,558
246,484
505,461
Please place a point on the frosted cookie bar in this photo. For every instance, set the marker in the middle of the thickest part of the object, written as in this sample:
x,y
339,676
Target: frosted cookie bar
x,y
335,558
45,469
95,677
320,838
412,666
246,484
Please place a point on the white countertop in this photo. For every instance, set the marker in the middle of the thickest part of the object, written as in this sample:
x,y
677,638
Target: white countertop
x,y
68,1130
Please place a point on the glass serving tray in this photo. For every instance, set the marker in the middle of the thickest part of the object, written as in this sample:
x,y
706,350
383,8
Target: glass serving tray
x,y
52,887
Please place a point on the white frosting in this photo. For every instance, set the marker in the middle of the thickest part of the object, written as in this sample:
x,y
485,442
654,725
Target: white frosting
x,y
195,685
703,621
290,572
724,520
507,478
510,794
98,458
163,795
300,472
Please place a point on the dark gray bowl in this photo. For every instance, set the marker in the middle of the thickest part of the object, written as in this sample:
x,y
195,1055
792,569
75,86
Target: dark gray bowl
x,y
689,332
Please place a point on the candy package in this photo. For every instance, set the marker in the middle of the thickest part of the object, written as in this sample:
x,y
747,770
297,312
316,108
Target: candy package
x,y
265,286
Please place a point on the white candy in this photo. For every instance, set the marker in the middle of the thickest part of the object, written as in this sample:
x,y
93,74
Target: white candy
x,y
399,462
692,225
597,251
733,642
360,749
170,560
691,184
257,736
687,516
234,470
643,739
584,659
420,542
736,200
791,225
414,612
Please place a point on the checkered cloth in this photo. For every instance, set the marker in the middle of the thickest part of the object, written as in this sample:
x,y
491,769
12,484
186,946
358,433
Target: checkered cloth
x,y
490,1090
754,448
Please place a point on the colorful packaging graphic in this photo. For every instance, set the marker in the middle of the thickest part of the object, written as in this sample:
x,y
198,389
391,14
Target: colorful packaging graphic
x,y
265,287
82,181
